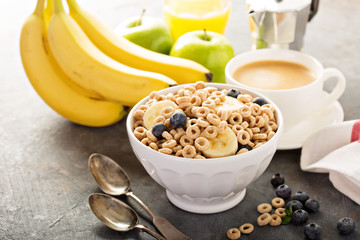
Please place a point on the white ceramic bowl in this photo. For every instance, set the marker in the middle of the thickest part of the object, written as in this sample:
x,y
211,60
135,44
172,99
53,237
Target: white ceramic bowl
x,y
205,185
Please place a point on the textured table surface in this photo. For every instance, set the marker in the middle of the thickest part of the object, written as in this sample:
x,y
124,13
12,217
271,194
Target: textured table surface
x,y
45,181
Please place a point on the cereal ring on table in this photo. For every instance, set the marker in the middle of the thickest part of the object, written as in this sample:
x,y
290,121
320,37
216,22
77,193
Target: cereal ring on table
x,y
273,125
143,108
195,100
184,105
188,111
243,150
255,130
264,219
233,233
189,151
244,98
210,90
146,141
280,211
139,123
138,114
259,136
264,208
278,202
202,122
201,112
167,135
266,129
167,111
245,111
246,228
237,128
151,136
154,146
159,119
267,112
235,118
154,95
179,153
208,103
193,132
169,144
224,114
210,132
167,151
140,133
222,127
202,94
245,125
199,156
185,140
215,99
249,131
150,102
201,143
275,220
259,121
190,88
251,120
199,85
243,137
270,135
213,119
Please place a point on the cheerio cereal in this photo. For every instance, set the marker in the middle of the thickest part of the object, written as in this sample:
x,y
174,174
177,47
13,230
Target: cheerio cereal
x,y
204,122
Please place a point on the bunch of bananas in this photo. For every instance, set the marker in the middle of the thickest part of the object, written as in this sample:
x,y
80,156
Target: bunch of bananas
x,y
86,73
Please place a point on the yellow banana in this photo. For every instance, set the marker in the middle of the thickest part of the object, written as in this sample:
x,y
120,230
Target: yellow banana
x,y
126,52
92,69
53,86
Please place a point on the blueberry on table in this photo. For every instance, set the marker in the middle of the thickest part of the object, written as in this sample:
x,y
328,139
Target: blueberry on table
x,y
260,101
312,231
158,129
233,93
312,205
299,216
295,205
283,191
301,196
345,225
178,119
277,179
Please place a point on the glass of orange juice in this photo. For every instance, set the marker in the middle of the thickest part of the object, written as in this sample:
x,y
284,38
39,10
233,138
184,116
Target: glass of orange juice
x,y
184,16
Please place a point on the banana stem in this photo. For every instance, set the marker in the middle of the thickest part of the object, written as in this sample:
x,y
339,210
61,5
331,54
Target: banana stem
x,y
73,5
205,35
39,10
49,6
58,6
140,18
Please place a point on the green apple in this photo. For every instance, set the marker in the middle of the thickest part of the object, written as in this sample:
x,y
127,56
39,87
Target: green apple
x,y
148,32
210,49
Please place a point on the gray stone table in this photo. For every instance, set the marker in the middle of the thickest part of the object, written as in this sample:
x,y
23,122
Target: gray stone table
x,y
45,181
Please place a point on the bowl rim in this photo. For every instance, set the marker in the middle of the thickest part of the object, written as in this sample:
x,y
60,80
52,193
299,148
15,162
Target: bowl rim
x,y
280,122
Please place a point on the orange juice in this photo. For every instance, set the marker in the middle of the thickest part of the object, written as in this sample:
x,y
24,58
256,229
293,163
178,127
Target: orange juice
x,y
189,15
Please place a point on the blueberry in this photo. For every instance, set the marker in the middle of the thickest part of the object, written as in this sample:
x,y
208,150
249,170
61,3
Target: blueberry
x,y
158,129
312,205
260,101
312,231
345,225
277,179
295,205
244,146
299,216
178,119
233,93
283,191
301,196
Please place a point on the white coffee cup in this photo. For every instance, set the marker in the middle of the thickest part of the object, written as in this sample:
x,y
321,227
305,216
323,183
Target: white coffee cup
x,y
296,104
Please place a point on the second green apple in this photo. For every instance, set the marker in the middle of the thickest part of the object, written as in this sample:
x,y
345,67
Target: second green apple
x,y
210,49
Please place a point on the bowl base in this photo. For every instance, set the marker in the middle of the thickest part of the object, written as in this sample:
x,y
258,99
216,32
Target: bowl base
x,y
205,207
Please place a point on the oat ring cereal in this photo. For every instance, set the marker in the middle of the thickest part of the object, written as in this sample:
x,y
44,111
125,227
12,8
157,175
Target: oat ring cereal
x,y
151,136
270,135
213,119
243,137
264,219
169,144
215,99
222,127
159,119
264,208
193,132
245,111
233,233
259,121
209,104
201,143
138,114
255,109
278,202
210,132
189,151
259,136
268,112
235,118
199,85
201,112
275,220
146,141
195,100
201,94
202,122
167,151
185,140
154,146
237,128
246,228
167,111
140,133
224,114
281,212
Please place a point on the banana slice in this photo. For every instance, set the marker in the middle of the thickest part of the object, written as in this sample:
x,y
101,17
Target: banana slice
x,y
154,111
223,145
230,103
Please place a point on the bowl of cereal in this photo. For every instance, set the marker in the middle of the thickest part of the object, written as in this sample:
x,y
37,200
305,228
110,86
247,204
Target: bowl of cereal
x,y
205,142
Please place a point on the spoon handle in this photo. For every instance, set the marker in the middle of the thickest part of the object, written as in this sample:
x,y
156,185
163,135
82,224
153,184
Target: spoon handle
x,y
149,231
163,225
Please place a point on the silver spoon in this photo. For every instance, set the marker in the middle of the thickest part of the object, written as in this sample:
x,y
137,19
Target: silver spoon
x,y
117,215
113,180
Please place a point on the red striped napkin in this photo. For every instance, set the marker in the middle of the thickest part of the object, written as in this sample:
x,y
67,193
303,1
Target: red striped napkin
x,y
335,150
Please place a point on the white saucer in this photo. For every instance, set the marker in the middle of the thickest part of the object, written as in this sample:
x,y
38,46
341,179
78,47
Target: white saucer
x,y
296,136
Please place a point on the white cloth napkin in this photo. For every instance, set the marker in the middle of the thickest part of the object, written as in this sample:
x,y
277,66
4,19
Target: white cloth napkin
x,y
335,150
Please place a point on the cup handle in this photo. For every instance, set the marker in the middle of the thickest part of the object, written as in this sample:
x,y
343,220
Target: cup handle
x,y
338,89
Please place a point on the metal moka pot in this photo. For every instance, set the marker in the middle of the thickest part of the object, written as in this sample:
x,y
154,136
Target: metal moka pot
x,y
280,23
